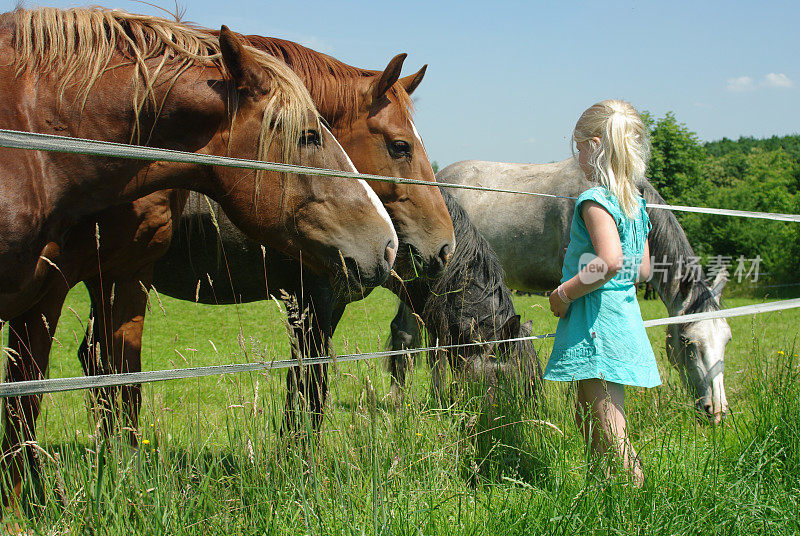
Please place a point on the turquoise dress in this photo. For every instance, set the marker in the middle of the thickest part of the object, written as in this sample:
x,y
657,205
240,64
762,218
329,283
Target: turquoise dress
x,y
602,334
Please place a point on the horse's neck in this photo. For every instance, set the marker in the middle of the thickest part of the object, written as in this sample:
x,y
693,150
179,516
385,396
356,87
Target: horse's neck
x,y
670,251
668,292
333,84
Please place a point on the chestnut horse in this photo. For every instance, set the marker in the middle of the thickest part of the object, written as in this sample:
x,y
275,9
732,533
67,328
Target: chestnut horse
x,y
370,114
101,74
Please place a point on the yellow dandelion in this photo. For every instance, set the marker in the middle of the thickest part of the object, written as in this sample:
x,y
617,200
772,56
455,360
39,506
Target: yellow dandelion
x,y
780,352
419,435
145,441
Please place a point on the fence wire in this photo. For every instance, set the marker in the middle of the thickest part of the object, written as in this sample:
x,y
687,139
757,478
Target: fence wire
x,y
38,387
14,139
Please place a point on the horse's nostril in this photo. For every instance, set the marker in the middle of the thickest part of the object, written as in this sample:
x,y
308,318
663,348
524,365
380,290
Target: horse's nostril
x,y
439,263
390,254
445,253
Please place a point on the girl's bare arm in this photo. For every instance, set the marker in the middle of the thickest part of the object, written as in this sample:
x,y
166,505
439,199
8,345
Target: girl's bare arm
x,y
605,239
645,267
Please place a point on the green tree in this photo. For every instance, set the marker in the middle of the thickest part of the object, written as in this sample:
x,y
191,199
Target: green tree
x,y
758,180
676,162
745,174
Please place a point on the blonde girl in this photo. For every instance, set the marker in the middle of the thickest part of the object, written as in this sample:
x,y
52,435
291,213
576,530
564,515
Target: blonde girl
x,y
601,340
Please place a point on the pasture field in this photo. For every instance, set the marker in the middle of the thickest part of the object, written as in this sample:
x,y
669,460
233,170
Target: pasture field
x,y
212,460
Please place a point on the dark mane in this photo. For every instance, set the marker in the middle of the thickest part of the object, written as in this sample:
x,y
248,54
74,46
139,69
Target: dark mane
x,y
326,77
470,301
668,241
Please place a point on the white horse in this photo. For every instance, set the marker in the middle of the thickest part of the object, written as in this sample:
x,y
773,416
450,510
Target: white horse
x,y
529,234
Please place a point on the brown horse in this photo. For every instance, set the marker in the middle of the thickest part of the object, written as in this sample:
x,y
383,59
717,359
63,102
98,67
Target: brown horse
x,y
109,75
370,114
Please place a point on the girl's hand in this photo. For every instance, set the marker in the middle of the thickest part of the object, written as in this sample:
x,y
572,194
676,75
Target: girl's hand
x,y
557,305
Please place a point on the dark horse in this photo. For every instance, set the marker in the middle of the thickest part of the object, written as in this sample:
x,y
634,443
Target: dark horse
x,y
469,303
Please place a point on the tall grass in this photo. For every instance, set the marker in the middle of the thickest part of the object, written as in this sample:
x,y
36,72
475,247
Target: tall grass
x,y
212,460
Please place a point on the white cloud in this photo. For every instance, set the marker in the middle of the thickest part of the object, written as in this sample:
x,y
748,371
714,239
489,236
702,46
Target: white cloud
x,y
741,83
532,141
778,80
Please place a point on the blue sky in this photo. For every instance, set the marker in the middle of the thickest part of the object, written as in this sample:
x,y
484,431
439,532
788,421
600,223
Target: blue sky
x,y
506,82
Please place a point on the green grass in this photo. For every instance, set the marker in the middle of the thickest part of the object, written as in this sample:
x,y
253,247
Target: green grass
x,y
212,461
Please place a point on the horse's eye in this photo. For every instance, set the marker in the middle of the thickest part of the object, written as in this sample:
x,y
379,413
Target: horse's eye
x,y
399,149
310,137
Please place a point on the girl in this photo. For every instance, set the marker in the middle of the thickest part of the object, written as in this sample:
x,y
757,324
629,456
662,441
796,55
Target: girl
x,y
601,340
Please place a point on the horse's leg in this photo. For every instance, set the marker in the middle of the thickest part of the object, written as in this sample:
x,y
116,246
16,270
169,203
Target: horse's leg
x,y
301,385
306,385
437,359
309,382
323,324
405,334
93,352
117,336
89,356
130,304
28,355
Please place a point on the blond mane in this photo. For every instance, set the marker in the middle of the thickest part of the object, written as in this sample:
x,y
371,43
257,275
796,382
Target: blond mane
x,y
78,46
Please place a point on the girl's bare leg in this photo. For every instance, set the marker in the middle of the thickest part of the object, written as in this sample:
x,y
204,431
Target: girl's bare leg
x,y
600,415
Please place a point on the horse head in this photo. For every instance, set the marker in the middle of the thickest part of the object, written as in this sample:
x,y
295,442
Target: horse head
x,y
514,362
382,139
336,226
697,349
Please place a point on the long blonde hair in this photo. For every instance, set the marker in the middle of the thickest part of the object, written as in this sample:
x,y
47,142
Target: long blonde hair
x,y
619,161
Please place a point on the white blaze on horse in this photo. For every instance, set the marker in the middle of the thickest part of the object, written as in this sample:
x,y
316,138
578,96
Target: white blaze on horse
x,y
529,234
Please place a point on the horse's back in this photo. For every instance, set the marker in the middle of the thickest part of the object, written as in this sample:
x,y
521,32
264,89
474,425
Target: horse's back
x,y
528,233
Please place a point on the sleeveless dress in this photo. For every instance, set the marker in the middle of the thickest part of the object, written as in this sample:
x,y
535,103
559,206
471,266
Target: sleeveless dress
x,y
602,334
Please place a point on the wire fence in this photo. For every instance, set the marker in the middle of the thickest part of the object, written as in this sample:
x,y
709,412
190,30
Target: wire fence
x,y
14,139
46,142
36,387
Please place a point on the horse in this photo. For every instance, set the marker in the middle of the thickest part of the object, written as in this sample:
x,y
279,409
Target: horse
x,y
469,303
370,112
530,234
108,75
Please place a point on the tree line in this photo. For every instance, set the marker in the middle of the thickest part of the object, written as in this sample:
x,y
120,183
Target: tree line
x,y
746,174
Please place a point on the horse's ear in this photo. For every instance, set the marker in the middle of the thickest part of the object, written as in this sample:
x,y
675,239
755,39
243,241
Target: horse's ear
x,y
250,78
719,284
411,82
388,77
